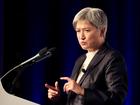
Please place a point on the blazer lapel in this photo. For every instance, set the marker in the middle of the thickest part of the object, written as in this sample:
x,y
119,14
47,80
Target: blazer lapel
x,y
96,59
77,67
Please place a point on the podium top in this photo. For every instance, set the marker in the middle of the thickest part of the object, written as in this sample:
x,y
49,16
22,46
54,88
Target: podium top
x,y
9,99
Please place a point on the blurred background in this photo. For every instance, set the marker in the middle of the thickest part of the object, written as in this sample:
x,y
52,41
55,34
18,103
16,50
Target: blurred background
x,y
26,26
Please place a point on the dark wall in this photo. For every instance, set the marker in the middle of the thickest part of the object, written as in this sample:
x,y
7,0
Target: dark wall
x,y
26,26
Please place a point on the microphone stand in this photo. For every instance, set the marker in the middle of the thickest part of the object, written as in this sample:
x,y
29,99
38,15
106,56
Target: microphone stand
x,y
25,64
19,70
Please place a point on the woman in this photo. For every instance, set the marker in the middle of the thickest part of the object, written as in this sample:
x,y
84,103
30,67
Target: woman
x,y
99,76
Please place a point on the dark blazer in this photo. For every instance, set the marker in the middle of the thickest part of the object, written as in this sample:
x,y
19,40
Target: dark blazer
x,y
105,81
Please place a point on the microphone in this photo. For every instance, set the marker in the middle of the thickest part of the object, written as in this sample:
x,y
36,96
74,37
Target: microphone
x,y
83,70
42,54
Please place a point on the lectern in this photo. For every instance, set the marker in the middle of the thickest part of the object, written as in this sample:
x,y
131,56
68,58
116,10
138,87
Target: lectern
x,y
9,99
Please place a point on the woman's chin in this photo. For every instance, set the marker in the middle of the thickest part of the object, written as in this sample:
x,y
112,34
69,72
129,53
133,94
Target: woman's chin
x,y
84,48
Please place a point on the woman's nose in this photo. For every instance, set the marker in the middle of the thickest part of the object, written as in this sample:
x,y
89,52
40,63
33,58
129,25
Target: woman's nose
x,y
82,36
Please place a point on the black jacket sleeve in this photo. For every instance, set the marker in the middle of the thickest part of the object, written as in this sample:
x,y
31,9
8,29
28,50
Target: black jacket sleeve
x,y
115,80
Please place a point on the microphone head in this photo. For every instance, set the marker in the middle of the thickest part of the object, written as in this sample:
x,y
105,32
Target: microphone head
x,y
46,51
52,50
83,70
43,51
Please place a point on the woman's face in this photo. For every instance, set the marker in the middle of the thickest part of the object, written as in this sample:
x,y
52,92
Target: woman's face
x,y
89,37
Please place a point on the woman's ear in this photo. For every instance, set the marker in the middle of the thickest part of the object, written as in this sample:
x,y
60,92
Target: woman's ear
x,y
102,32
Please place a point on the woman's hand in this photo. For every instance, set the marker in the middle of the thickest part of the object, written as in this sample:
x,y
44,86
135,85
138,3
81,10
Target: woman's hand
x,y
71,85
53,92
